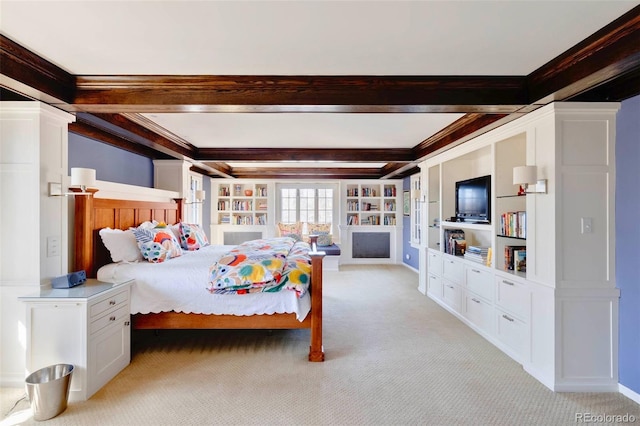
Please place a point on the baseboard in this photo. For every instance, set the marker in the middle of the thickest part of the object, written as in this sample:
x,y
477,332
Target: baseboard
x,y
410,267
632,395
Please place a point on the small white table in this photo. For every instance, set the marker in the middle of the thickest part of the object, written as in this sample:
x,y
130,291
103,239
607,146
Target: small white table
x,y
88,326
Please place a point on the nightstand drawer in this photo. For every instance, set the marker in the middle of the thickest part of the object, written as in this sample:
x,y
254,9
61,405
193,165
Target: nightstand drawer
x,y
117,316
111,302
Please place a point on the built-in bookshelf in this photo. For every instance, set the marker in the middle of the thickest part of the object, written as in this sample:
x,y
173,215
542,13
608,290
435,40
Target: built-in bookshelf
x,y
242,203
372,203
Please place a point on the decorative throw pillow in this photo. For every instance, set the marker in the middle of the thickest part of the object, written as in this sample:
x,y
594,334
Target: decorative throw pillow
x,y
286,229
317,228
122,245
192,236
157,244
324,239
296,237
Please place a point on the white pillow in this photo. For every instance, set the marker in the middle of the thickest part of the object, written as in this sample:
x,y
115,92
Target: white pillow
x,y
121,244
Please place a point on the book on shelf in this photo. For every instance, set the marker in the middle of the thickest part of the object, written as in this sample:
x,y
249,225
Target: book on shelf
x,y
478,254
450,235
520,260
509,256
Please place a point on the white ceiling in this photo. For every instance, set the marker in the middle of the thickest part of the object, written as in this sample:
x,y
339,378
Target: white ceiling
x,y
304,38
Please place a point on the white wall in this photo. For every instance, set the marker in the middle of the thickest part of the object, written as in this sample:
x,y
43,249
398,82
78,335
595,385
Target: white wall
x,y
33,152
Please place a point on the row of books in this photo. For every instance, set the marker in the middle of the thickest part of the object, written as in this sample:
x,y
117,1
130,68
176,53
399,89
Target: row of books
x,y
515,258
514,224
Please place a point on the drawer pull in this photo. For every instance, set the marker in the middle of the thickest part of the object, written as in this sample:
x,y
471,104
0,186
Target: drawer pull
x,y
507,318
112,318
127,323
112,302
475,300
476,271
450,286
508,282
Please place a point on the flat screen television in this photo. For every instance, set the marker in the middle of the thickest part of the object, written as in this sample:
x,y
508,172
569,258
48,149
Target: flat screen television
x,y
473,200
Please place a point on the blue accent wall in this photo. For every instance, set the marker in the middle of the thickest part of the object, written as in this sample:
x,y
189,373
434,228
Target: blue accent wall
x,y
112,164
407,250
627,238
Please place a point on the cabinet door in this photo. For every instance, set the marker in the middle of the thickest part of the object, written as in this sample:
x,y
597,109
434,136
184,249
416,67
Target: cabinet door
x,y
513,333
479,312
451,295
513,296
479,281
434,262
453,269
109,353
434,286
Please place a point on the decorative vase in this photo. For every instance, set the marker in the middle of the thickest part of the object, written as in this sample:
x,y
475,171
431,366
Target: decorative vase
x,y
248,192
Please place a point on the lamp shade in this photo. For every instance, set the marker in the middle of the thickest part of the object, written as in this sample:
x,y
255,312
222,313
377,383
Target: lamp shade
x,y
200,195
525,175
83,177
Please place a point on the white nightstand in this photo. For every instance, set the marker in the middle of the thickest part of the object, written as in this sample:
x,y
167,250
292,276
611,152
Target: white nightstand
x,y
88,326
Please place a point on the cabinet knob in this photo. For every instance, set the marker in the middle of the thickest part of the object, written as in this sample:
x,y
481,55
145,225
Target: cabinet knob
x,y
112,302
127,323
508,282
112,318
475,300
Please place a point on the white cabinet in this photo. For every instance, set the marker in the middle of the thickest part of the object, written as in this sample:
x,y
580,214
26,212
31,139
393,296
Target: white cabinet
x,y
479,312
453,269
88,326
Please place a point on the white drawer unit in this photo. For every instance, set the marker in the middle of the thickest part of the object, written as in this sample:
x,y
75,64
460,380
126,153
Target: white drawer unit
x,y
480,281
479,312
434,286
434,262
88,326
451,295
513,296
453,269
513,333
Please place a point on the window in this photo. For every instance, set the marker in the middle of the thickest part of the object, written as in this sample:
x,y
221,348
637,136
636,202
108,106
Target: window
x,y
307,203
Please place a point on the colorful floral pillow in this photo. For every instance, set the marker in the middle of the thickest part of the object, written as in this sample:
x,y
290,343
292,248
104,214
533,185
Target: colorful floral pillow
x,y
192,236
317,228
157,244
290,229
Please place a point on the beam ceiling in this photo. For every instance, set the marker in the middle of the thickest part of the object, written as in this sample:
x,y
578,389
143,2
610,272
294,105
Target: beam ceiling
x,y
603,67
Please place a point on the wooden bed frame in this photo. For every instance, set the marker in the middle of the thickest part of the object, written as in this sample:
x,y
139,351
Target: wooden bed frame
x,y
93,214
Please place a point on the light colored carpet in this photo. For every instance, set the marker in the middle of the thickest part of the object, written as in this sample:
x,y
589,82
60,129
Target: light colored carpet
x,y
393,356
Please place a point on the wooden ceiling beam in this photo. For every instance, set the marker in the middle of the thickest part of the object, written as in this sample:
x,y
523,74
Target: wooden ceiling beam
x,y
301,154
239,93
306,173
609,53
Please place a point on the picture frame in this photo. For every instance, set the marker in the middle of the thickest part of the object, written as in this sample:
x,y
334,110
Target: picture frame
x,y
406,203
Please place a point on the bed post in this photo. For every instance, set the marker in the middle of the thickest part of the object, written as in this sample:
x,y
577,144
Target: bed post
x,y
316,352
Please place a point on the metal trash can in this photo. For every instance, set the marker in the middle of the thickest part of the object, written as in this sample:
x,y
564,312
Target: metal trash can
x,y
48,390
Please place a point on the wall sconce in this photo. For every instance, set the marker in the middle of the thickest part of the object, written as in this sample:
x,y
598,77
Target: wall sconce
x,y
416,194
83,182
527,178
200,196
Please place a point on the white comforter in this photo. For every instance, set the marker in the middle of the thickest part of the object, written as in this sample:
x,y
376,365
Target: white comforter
x,y
180,285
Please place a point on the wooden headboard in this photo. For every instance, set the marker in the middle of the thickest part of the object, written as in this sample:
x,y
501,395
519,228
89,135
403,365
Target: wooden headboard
x,y
93,214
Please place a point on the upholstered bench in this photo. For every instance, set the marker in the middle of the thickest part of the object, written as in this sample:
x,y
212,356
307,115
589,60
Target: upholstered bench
x,y
331,261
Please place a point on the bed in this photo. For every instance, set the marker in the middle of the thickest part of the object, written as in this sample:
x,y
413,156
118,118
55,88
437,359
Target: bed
x,y
93,214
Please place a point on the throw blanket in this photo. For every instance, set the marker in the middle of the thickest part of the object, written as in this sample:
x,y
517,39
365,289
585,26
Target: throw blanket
x,y
266,265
